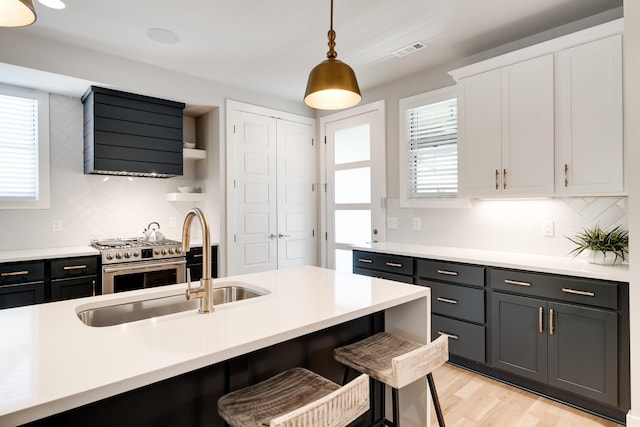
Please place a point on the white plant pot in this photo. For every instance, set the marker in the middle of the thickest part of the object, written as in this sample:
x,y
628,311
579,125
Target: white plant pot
x,y
605,258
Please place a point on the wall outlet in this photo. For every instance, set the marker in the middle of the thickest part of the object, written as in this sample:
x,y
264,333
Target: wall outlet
x,y
417,223
392,223
56,226
172,221
547,228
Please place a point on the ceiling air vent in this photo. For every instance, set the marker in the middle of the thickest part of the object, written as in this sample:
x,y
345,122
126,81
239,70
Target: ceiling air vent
x,y
409,49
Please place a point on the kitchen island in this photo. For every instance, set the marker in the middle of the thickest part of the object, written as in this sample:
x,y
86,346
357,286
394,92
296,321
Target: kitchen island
x,y
52,362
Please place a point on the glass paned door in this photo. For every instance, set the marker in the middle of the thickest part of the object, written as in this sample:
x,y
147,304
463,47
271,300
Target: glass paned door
x,y
356,185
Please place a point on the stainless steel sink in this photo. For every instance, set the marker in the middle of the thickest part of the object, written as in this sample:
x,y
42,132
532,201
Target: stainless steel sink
x,y
120,313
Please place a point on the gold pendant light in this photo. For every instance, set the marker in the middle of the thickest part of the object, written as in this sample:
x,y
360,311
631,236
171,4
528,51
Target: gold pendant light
x,y
17,13
332,84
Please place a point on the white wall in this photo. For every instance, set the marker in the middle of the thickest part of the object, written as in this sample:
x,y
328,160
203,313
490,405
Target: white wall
x,y
632,138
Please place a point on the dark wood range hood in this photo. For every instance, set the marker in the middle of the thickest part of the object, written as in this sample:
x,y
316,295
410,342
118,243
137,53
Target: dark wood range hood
x,y
132,135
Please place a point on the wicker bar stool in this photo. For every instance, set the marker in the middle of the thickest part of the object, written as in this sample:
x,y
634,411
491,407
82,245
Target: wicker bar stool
x,y
396,362
295,398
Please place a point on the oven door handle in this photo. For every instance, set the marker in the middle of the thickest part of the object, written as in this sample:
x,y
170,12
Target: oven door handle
x,y
143,266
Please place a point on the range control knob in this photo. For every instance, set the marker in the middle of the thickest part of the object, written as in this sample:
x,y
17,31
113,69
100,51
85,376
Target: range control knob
x,y
178,250
157,252
118,255
109,256
172,251
164,252
136,254
127,255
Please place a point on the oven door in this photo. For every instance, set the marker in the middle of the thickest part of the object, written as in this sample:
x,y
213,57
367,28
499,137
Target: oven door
x,y
143,274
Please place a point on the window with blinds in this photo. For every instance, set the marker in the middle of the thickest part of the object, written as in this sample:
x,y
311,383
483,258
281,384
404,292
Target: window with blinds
x,y
24,149
18,147
432,144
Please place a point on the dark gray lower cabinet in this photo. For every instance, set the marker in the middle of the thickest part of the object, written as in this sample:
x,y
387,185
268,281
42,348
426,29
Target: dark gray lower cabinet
x,y
570,347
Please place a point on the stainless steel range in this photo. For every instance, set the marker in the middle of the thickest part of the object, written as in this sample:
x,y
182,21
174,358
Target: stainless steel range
x,y
137,263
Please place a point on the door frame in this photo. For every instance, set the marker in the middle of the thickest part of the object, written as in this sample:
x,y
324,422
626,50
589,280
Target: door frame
x,y
231,106
377,106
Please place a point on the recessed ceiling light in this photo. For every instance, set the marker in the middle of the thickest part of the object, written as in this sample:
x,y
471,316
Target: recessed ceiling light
x,y
163,36
53,4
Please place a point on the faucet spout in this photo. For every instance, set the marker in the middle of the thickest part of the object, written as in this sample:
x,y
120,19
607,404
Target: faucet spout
x,y
205,291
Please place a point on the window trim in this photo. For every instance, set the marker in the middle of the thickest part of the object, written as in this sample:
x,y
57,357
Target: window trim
x,y
43,201
403,152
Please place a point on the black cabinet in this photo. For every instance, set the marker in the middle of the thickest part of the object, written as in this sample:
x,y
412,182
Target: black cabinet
x,y
22,283
572,347
392,267
74,278
194,262
457,305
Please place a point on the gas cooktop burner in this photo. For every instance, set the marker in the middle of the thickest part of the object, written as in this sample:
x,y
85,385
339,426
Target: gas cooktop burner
x,y
136,249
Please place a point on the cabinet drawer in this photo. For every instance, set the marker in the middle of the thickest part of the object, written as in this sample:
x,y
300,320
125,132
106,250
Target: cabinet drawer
x,y
466,340
17,295
74,288
384,275
74,267
450,272
598,293
395,264
21,272
456,301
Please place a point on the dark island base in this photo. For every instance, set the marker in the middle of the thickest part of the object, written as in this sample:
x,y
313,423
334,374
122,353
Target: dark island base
x,y
191,399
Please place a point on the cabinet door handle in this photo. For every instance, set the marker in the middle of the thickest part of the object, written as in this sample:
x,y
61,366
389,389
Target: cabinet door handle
x,y
551,321
497,178
452,336
516,282
540,319
394,264
566,175
93,287
14,273
448,273
447,300
74,267
367,261
504,179
577,292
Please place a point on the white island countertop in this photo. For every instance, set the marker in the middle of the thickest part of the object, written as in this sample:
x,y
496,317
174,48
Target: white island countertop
x,y
567,265
50,361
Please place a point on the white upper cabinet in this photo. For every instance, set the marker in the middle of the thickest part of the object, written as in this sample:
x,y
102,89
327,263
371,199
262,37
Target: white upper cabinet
x,y
589,146
505,130
545,120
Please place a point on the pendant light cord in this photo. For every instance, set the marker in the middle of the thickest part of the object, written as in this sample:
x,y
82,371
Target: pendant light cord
x,y
332,54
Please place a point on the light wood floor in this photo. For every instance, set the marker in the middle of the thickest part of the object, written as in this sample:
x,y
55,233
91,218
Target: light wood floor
x,y
469,400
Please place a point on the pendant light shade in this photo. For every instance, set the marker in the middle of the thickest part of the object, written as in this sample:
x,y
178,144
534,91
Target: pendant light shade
x,y
332,84
17,13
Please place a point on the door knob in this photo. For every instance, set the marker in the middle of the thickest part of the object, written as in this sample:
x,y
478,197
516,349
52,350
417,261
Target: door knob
x,y
375,231
272,236
283,235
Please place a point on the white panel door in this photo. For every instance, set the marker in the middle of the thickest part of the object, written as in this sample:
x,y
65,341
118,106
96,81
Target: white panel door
x,y
355,167
297,191
255,146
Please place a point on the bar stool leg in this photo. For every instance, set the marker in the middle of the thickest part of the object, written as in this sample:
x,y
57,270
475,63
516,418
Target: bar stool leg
x,y
396,407
436,401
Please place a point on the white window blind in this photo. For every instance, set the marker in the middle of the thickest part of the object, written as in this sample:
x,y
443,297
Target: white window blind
x,y
432,133
18,147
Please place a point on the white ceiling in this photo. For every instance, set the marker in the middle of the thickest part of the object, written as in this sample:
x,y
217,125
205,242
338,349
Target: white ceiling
x,y
270,46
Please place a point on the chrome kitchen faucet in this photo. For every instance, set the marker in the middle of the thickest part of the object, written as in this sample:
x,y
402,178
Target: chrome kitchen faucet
x,y
205,291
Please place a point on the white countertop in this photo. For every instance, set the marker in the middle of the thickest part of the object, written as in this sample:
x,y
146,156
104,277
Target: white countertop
x,y
47,253
51,362
568,265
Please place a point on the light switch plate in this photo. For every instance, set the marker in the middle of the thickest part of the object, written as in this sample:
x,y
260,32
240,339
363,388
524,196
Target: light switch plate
x,y
56,226
417,223
547,228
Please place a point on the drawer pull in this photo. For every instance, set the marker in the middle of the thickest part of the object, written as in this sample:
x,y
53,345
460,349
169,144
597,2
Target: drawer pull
x,y
368,261
516,282
551,321
394,264
14,273
452,336
448,273
576,292
447,300
540,319
93,288
74,267
197,256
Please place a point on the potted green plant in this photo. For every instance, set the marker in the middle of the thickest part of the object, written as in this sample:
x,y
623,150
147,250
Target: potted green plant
x,y
608,247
